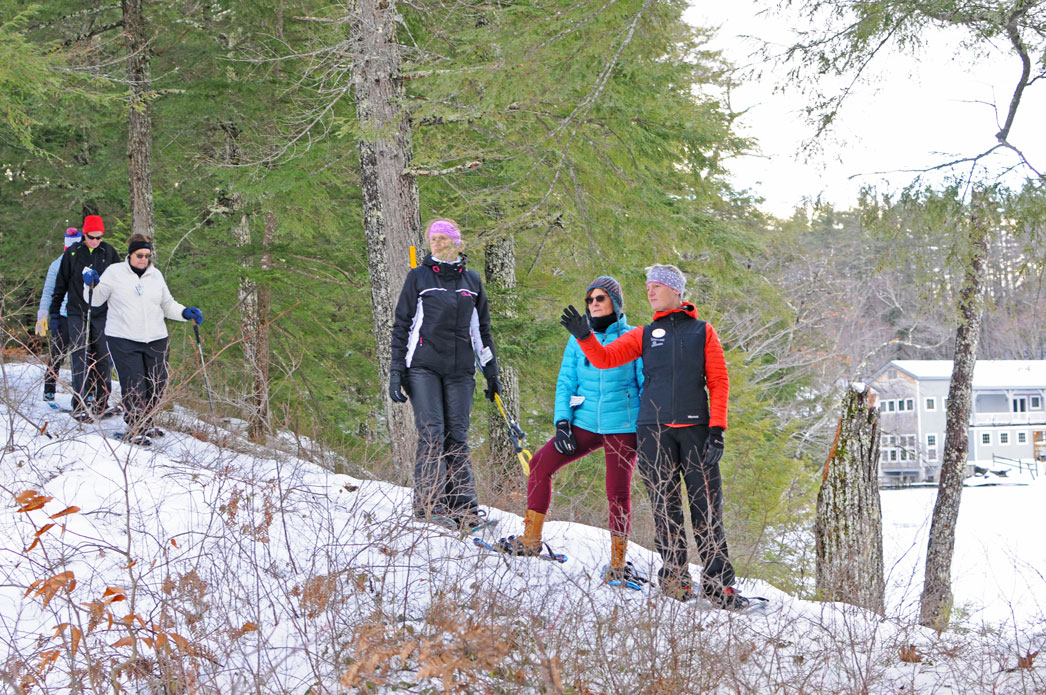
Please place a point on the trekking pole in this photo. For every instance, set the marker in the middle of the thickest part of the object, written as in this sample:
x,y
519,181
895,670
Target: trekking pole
x,y
203,366
516,435
87,342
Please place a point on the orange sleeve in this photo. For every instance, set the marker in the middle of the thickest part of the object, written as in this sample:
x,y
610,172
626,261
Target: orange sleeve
x,y
716,378
622,351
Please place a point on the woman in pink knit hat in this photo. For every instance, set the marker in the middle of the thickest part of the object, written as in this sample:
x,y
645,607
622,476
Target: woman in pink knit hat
x,y
441,329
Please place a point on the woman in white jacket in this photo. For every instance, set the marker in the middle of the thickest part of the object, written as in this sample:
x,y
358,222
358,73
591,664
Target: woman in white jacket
x,y
136,333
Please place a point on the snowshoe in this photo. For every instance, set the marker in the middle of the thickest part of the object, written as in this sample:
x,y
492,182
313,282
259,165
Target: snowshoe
x,y
136,439
626,577
729,599
155,432
515,545
497,548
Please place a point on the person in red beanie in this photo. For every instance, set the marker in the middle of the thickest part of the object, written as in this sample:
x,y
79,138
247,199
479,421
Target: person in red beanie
x,y
86,325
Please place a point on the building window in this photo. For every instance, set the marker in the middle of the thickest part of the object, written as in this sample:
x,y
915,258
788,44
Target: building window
x,y
1004,437
931,404
892,374
1022,437
890,406
1036,403
904,454
986,437
893,454
931,440
931,454
911,403
1020,405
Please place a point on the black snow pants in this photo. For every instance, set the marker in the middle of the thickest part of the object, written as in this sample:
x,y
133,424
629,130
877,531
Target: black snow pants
x,y
443,480
668,458
142,368
92,370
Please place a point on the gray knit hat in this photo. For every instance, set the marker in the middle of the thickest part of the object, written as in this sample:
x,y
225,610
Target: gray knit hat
x,y
611,287
667,275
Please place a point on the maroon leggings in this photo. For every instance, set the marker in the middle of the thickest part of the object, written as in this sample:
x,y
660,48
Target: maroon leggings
x,y
620,450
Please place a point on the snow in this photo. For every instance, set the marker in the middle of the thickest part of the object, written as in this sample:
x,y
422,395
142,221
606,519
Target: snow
x,y
987,374
250,569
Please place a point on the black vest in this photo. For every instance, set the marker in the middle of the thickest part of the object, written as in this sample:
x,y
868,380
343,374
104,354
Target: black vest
x,y
674,372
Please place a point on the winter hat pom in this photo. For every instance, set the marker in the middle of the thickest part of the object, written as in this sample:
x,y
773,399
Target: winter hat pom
x,y
669,276
72,235
611,287
446,228
93,223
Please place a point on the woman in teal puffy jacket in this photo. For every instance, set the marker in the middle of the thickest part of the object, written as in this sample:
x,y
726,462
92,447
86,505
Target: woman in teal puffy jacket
x,y
595,408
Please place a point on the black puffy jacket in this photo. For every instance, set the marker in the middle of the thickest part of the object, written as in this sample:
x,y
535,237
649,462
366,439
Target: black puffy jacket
x,y
442,320
70,277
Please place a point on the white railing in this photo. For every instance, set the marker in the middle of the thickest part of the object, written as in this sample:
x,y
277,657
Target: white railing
x,y
1032,418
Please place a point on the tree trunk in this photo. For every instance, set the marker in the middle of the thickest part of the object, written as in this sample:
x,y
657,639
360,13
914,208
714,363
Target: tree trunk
x,y
139,127
936,603
849,530
258,422
391,218
500,273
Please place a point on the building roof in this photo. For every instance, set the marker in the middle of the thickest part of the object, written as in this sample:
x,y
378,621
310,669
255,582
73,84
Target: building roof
x,y
987,374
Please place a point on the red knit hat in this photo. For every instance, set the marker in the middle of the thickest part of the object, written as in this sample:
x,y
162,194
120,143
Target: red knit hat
x,y
93,223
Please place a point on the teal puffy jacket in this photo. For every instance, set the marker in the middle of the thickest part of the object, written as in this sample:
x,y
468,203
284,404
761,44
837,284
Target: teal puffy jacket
x,y
609,398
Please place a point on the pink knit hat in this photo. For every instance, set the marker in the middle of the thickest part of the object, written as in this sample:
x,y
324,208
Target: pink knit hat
x,y
446,228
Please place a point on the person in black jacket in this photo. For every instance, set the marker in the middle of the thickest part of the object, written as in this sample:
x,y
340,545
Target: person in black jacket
x,y
441,329
90,358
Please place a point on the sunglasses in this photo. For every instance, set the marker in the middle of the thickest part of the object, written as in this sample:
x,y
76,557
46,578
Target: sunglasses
x,y
141,255
94,237
596,298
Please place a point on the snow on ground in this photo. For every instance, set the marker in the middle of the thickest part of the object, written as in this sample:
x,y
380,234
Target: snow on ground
x,y
193,567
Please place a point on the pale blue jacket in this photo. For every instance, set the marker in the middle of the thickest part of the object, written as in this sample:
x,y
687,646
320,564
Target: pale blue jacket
x,y
49,283
609,397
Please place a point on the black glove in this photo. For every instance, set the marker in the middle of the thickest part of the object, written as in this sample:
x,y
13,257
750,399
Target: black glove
x,y
713,446
565,441
397,389
575,323
490,373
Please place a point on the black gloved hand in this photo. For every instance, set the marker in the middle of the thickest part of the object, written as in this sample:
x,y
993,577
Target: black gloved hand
x,y
713,446
565,441
397,388
576,323
490,373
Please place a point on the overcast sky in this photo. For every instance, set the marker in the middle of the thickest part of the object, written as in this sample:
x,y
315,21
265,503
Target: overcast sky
x,y
914,116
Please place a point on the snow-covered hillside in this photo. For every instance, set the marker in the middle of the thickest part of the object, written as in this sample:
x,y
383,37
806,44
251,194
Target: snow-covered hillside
x,y
198,568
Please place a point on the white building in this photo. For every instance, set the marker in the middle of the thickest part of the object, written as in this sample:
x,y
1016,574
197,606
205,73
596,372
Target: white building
x,y
1007,417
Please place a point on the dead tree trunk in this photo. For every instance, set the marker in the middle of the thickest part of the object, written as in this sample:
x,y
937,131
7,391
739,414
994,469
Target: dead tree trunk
x,y
391,217
849,530
936,603
139,126
500,273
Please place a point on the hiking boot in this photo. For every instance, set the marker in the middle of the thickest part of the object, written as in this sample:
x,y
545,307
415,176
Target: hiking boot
x,y
726,598
49,397
518,545
676,585
83,416
155,432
